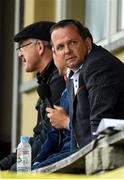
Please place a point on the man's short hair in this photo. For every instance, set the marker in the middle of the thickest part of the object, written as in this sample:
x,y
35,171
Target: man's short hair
x,y
82,30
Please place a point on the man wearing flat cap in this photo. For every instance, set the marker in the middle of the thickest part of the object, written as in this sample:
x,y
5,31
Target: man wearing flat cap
x,y
36,55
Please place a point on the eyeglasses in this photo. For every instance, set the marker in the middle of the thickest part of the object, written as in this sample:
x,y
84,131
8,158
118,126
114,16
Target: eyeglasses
x,y
34,41
20,47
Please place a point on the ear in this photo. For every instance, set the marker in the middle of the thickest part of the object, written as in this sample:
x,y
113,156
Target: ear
x,y
88,42
53,50
41,47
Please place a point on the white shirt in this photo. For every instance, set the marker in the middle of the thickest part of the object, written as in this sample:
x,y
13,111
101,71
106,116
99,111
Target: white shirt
x,y
75,78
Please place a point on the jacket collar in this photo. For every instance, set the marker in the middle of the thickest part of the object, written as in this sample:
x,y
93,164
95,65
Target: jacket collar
x,y
46,72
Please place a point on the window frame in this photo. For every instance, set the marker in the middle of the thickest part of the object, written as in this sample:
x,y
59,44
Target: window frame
x,y
112,30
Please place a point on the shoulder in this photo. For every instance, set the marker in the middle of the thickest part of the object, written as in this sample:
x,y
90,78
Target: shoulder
x,y
100,58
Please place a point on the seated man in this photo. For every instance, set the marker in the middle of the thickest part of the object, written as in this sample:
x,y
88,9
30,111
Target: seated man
x,y
36,55
96,88
57,144
54,148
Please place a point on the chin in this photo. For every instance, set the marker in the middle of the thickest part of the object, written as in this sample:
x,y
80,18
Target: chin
x,y
28,70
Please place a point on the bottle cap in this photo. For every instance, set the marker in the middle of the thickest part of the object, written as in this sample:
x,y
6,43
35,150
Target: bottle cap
x,y
24,138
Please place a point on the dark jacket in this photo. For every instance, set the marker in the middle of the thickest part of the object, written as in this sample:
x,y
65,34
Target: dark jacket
x,y
100,95
57,85
57,144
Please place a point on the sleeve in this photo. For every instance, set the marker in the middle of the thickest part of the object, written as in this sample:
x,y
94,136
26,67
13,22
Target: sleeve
x,y
102,81
49,147
8,161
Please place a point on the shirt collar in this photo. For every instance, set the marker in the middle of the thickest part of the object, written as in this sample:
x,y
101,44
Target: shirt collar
x,y
75,71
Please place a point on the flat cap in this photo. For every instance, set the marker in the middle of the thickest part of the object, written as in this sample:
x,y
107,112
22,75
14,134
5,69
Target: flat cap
x,y
38,30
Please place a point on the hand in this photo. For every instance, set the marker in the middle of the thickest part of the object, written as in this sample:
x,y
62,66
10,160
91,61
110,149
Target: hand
x,y
58,117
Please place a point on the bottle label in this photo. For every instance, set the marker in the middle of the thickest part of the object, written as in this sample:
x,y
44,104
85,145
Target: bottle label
x,y
23,161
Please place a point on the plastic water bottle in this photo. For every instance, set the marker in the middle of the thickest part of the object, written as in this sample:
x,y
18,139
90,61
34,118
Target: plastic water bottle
x,y
24,155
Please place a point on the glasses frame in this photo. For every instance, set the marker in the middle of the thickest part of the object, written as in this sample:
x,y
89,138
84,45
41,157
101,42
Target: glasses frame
x,y
19,48
45,43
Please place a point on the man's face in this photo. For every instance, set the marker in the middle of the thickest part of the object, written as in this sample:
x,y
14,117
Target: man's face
x,y
69,46
29,55
60,64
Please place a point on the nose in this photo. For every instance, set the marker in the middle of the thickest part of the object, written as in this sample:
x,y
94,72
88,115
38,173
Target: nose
x,y
20,54
67,49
